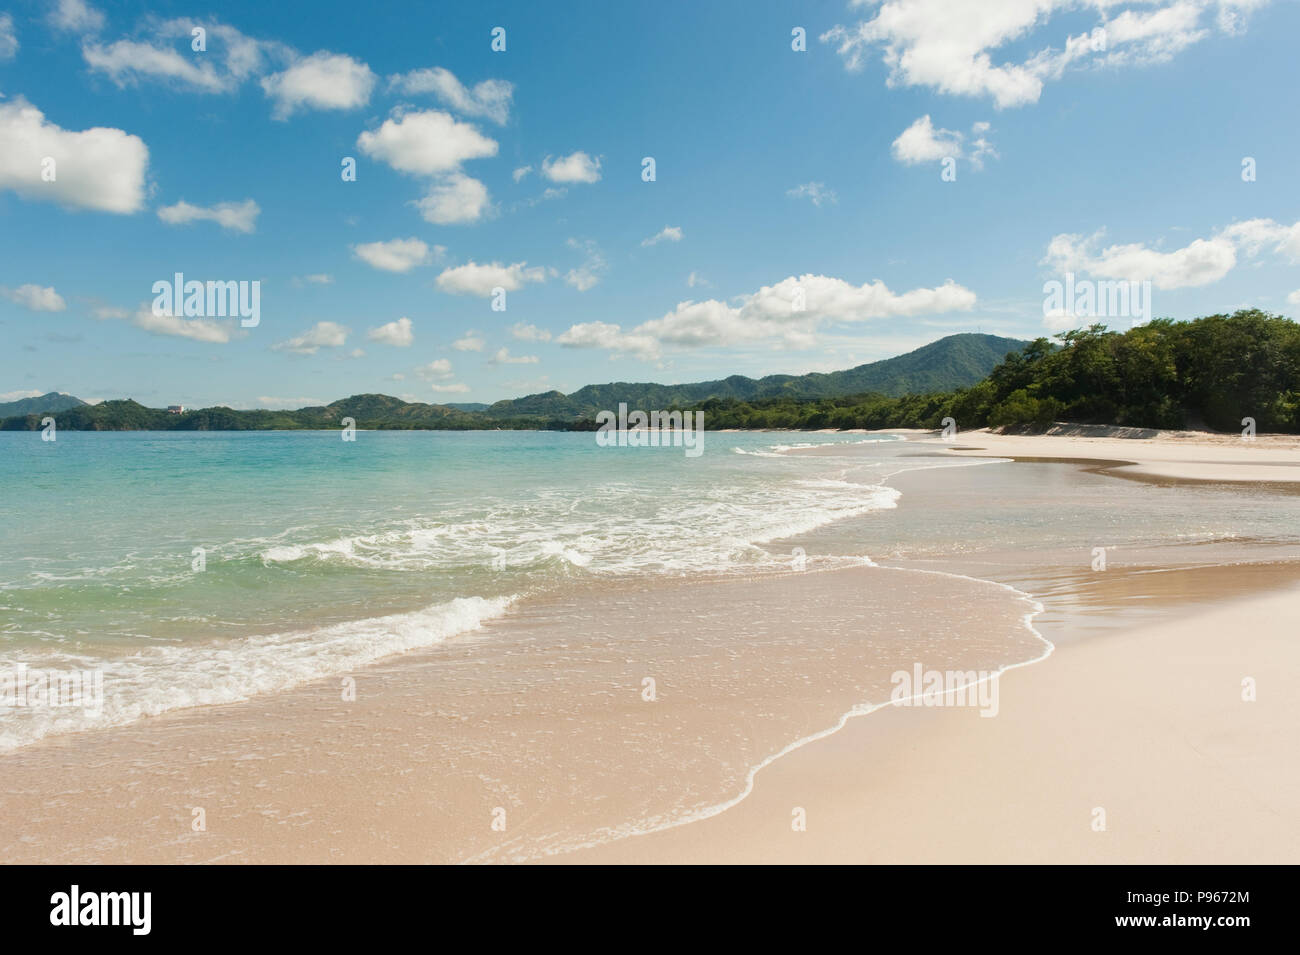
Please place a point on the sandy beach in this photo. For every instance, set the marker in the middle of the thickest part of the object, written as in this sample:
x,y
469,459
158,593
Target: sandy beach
x,y
1134,743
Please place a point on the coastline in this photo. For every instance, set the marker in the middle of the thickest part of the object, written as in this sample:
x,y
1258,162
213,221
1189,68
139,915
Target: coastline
x,y
257,760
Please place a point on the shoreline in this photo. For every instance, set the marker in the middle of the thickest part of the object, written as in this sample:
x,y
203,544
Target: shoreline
x,y
940,786
263,721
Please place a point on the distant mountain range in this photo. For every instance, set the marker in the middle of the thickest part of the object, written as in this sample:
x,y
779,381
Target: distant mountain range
x,y
45,404
957,361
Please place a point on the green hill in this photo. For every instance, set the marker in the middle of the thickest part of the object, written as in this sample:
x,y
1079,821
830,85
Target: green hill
x,y
45,404
957,361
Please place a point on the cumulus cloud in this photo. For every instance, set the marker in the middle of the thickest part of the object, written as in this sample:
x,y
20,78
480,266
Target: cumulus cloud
x,y
453,389
235,216
35,298
397,255
575,167
100,168
521,172
954,48
1255,235
434,144
489,99
468,342
437,369
814,192
398,334
669,233
1201,262
426,143
453,199
196,329
922,142
323,80
503,357
475,279
529,333
321,335
788,313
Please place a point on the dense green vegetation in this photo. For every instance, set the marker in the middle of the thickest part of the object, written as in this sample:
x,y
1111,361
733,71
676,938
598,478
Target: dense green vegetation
x,y
1207,373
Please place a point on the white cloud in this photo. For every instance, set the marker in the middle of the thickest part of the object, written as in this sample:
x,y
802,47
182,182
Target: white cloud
x,y
397,255
474,279
816,192
321,81
35,298
321,335
235,216
437,369
1255,234
426,143
1201,262
490,98
76,16
576,167
454,389
529,333
468,342
669,233
197,329
951,47
435,144
455,198
521,172
398,334
18,395
104,312
503,357
8,38
1293,298
922,142
694,279
609,336
100,168
588,274
317,278
770,314
231,57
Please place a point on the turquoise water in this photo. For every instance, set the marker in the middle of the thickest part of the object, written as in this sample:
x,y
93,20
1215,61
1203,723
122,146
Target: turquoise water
x,y
319,555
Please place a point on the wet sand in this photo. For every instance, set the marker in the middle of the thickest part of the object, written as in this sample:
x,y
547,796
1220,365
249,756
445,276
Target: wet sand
x,y
542,716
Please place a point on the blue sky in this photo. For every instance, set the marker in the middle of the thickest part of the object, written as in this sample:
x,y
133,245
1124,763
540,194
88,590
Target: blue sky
x,y
1098,137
